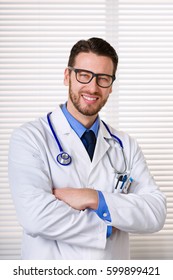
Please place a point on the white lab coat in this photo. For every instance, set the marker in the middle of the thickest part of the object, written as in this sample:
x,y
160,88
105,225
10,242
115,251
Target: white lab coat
x,y
52,229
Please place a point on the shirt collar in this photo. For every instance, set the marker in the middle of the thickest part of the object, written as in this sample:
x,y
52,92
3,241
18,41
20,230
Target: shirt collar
x,y
76,125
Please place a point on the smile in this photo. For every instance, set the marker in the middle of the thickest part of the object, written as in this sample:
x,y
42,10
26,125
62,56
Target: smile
x,y
89,98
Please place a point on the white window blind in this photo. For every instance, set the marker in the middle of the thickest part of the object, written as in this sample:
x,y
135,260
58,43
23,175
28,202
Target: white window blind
x,y
146,103
35,40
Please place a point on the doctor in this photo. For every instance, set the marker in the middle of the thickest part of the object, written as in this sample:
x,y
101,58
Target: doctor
x,y
73,203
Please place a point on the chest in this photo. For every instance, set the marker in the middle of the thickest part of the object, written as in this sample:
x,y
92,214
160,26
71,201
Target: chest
x,y
100,174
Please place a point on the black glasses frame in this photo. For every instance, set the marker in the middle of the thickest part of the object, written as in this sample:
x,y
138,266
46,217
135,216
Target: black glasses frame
x,y
76,70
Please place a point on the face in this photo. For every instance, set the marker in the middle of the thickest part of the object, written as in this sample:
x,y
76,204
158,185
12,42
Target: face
x,y
86,100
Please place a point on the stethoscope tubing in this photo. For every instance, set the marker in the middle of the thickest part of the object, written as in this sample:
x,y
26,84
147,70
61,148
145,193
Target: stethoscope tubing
x,y
62,158
65,159
113,136
54,134
117,139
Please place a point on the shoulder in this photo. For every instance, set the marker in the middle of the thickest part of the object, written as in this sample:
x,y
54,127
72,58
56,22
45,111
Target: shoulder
x,y
30,131
120,134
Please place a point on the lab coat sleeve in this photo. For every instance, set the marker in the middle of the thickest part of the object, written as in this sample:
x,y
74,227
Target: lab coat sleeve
x,y
143,209
38,211
103,212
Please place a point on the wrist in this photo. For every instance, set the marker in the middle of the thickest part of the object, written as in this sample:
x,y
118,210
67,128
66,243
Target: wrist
x,y
95,200
92,199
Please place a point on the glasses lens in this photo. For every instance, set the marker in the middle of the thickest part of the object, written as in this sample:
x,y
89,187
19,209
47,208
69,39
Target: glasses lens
x,y
104,80
83,76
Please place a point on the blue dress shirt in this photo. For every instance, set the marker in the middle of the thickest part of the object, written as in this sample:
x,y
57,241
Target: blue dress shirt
x,y
102,211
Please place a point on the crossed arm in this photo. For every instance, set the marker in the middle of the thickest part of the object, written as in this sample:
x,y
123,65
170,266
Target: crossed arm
x,y
79,199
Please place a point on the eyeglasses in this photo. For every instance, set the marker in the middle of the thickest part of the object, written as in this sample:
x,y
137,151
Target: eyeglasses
x,y
85,77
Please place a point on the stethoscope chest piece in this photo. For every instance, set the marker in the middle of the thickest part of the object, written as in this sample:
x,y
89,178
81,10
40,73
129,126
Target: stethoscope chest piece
x,y
63,158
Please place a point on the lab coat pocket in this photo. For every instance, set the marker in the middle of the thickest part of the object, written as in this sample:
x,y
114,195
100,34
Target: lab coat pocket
x,y
123,183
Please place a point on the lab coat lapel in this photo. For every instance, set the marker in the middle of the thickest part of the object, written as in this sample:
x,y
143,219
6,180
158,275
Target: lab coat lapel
x,y
81,159
71,144
69,140
60,123
102,145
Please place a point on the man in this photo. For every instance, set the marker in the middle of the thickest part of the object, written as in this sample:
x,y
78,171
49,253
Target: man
x,y
82,204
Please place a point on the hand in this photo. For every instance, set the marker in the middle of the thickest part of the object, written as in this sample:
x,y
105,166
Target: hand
x,y
114,229
79,199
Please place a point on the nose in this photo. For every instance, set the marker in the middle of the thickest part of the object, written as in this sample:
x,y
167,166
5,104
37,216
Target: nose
x,y
92,85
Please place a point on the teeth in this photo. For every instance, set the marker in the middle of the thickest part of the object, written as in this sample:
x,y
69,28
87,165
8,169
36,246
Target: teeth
x,y
89,98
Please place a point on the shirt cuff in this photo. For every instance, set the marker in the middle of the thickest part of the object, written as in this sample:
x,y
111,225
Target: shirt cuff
x,y
109,231
103,212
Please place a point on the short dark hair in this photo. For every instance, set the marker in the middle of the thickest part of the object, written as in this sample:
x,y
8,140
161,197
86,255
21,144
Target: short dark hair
x,y
94,45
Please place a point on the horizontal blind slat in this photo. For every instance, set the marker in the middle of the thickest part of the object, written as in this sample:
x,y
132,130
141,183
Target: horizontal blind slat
x,y
145,102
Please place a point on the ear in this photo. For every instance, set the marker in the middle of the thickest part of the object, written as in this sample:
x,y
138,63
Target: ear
x,y
110,90
66,77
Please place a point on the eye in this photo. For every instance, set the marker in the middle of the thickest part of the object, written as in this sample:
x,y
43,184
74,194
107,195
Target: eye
x,y
84,76
104,78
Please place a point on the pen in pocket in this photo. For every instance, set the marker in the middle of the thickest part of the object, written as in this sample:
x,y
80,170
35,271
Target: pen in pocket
x,y
127,185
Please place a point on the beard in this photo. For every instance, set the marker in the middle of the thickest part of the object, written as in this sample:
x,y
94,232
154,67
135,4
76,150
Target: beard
x,y
87,110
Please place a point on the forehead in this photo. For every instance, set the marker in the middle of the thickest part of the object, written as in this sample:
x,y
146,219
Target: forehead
x,y
95,63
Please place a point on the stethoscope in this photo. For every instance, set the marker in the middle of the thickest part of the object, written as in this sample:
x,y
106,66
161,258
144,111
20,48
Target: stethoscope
x,y
62,158
65,159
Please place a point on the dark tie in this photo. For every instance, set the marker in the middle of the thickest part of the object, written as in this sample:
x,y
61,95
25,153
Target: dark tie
x,y
89,141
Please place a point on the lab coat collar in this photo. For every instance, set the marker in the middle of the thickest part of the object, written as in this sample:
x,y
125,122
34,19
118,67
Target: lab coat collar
x,y
60,122
105,133
58,118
